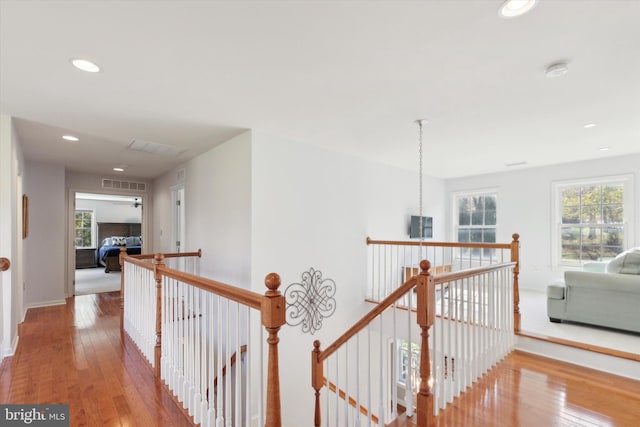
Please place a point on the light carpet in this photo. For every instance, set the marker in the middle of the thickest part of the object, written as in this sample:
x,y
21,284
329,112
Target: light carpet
x,y
95,280
533,309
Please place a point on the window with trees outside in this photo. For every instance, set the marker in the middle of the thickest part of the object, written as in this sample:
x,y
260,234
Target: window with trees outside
x,y
592,224
476,220
84,229
409,354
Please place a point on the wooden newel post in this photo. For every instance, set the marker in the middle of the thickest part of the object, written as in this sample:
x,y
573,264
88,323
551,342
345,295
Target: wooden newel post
x,y
317,380
123,253
273,317
426,316
158,261
515,257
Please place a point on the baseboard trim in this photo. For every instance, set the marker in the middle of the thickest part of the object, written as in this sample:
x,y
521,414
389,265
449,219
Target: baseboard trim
x,y
623,367
46,304
583,346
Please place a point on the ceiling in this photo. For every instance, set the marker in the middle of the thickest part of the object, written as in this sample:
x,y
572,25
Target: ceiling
x,y
352,76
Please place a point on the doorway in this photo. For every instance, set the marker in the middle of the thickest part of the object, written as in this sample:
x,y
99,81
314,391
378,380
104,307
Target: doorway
x,y
178,226
102,223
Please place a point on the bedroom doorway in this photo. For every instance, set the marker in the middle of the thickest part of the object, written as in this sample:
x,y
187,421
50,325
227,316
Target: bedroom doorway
x,y
102,223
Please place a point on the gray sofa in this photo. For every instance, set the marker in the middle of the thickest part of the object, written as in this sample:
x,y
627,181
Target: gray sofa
x,y
610,298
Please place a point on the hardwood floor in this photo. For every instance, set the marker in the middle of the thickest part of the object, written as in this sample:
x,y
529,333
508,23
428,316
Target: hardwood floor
x,y
75,354
532,391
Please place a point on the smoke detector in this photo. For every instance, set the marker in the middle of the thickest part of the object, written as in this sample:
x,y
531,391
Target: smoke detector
x,y
556,70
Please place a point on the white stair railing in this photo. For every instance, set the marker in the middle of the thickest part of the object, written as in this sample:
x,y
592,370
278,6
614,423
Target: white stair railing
x,y
139,299
463,324
359,372
206,347
208,341
391,263
139,317
473,330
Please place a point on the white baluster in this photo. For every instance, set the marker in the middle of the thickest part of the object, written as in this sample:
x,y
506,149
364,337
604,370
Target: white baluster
x,y
197,414
238,370
211,360
219,364
369,403
346,389
408,392
381,369
228,413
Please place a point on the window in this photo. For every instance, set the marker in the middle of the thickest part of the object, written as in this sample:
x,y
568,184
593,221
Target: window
x,y
476,219
591,219
84,237
408,355
405,360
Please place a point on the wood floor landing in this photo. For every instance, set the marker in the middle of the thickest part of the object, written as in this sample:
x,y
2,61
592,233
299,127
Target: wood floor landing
x,y
528,390
74,354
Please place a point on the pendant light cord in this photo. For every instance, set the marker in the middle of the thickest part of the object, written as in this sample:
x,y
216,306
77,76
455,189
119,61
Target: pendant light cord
x,y
420,183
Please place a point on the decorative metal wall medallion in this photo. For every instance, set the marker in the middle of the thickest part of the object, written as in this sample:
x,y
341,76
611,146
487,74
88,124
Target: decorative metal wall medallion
x,y
310,301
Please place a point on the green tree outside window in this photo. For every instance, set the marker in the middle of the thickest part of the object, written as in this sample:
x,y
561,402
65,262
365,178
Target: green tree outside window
x,y
592,226
477,221
84,229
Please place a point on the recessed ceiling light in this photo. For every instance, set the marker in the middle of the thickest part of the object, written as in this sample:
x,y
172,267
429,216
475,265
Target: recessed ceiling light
x,y
590,125
70,138
604,148
118,169
514,8
556,70
85,65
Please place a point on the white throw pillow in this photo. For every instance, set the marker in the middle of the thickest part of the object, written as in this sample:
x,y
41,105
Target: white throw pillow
x,y
627,262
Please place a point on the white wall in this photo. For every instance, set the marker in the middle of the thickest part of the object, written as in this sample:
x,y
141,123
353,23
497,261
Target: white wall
x,y
524,207
218,210
45,247
315,208
108,211
11,243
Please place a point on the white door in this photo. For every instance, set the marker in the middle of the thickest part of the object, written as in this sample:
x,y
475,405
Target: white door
x,y
178,225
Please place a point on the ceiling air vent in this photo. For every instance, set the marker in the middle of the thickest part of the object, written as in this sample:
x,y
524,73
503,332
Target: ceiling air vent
x,y
114,184
154,148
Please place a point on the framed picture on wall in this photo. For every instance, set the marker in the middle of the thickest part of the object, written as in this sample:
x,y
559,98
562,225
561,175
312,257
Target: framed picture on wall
x,y
25,216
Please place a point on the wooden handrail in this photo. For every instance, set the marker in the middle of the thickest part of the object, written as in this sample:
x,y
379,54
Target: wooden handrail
x,y
243,296
5,264
352,402
475,271
169,255
370,241
362,323
234,356
140,262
